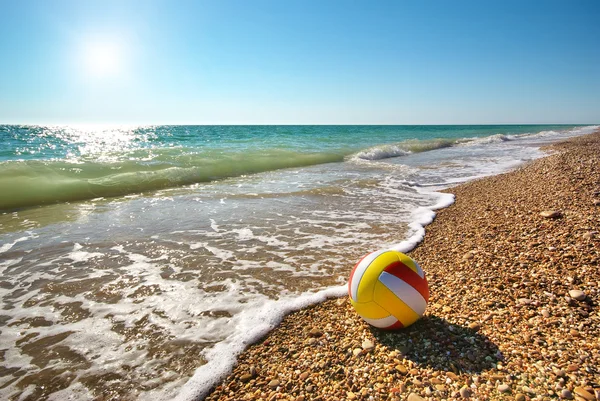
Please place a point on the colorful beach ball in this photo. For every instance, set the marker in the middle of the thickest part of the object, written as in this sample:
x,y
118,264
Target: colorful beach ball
x,y
388,289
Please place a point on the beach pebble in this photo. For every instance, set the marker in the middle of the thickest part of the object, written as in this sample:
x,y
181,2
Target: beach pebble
x,y
452,375
528,390
474,326
368,345
551,214
519,397
566,394
401,369
583,393
314,332
246,377
503,388
356,351
465,392
414,397
273,383
577,295
303,375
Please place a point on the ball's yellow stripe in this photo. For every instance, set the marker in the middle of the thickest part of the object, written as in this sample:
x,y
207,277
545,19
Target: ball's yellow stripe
x,y
370,310
402,312
411,264
371,275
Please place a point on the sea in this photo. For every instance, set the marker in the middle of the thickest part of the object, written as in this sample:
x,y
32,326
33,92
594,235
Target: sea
x,y
137,262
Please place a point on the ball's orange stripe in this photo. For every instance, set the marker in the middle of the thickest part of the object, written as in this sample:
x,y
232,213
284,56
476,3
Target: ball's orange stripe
x,y
408,275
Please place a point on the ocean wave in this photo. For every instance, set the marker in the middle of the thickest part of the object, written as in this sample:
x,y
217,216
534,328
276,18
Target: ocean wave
x,y
402,148
498,138
35,182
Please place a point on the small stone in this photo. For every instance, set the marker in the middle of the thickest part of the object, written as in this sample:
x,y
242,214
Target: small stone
x,y
356,351
573,367
246,377
435,380
519,397
300,398
350,395
273,383
566,394
577,295
503,388
452,375
341,301
551,214
528,390
368,345
545,313
414,397
401,369
583,393
465,392
474,326
304,375
596,202
315,333
468,256
524,301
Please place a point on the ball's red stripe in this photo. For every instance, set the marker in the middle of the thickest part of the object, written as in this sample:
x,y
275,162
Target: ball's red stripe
x,y
408,275
397,325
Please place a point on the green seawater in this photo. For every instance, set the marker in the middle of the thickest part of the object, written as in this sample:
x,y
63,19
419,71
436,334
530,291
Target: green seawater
x,y
51,164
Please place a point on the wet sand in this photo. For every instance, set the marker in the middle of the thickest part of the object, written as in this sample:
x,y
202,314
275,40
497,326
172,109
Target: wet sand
x,y
513,314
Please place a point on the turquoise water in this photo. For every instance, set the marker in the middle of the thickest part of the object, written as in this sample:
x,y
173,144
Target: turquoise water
x,y
136,263
42,164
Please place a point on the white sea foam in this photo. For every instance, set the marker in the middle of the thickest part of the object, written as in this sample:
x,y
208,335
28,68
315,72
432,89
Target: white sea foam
x,y
6,247
249,326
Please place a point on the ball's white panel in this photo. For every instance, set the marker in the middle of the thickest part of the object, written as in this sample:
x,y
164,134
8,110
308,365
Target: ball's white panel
x,y
420,271
405,292
383,322
360,271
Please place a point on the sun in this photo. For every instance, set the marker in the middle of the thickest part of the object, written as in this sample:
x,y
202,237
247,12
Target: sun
x,y
102,59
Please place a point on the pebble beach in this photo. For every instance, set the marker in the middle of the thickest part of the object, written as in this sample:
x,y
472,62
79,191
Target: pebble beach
x,y
513,274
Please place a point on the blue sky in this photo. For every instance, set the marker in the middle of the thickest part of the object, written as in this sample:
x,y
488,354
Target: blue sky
x,y
299,62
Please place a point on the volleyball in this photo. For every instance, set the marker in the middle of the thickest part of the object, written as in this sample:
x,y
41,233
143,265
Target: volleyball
x,y
388,289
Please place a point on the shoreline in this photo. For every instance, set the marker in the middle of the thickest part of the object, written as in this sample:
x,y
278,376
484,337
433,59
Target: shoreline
x,y
501,322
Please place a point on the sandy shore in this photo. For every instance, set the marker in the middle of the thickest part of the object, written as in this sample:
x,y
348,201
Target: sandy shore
x,y
513,312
